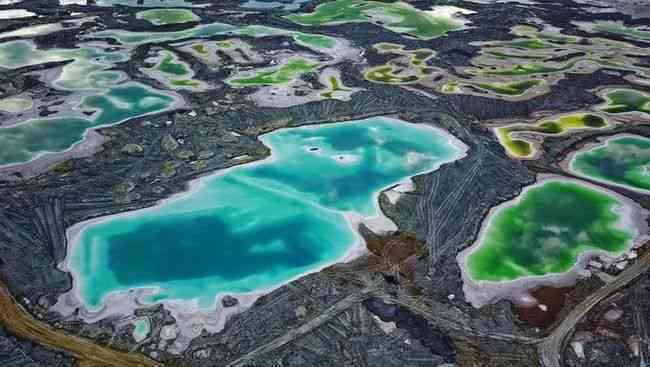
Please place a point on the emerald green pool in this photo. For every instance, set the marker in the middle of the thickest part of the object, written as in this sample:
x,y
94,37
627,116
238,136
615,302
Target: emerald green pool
x,y
545,230
214,240
626,100
511,55
531,69
510,89
397,16
622,161
336,88
167,16
169,66
292,69
386,74
314,41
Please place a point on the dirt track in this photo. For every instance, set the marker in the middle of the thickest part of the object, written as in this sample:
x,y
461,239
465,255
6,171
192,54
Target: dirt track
x,y
552,347
18,321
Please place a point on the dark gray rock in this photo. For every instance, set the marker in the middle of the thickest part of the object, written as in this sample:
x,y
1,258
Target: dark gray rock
x,y
229,301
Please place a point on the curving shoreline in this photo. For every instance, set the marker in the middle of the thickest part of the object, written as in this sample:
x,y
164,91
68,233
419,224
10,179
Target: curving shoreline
x,y
482,293
191,317
602,142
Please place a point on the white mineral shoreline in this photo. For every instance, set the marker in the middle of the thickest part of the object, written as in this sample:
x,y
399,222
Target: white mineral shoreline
x,y
190,317
89,144
481,293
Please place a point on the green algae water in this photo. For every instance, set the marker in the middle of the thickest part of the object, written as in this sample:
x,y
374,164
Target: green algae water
x,y
510,89
519,146
292,69
397,16
622,161
256,226
167,65
616,28
545,230
626,100
167,16
314,41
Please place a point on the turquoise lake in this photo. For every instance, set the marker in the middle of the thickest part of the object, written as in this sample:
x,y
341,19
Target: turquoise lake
x,y
256,226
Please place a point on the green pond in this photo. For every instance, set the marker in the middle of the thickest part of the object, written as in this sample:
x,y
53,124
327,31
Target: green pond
x,y
626,100
213,239
167,16
169,66
291,70
618,28
531,69
336,89
530,44
397,16
622,161
545,230
510,89
313,41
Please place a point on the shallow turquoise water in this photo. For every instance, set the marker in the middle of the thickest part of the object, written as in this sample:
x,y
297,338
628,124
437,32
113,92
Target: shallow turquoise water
x,y
258,225
142,328
26,141
88,68
100,89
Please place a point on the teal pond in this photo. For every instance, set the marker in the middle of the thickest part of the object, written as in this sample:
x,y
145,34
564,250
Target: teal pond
x,y
621,161
253,227
28,140
106,95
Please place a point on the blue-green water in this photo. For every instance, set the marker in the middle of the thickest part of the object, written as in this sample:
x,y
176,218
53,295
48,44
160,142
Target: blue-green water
x,y
26,141
88,68
316,42
104,91
141,330
90,73
257,226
